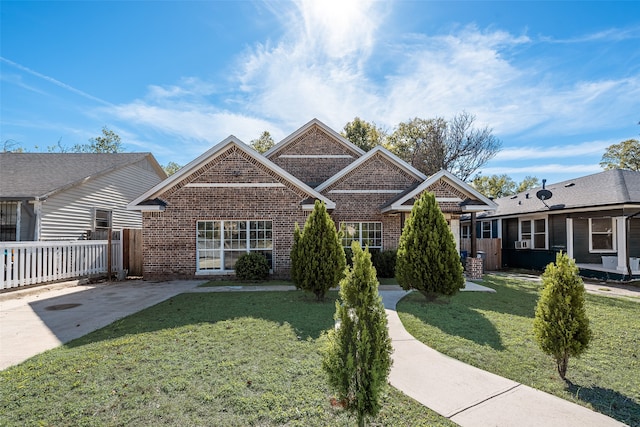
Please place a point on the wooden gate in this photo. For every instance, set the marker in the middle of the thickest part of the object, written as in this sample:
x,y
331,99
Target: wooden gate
x,y
491,248
132,251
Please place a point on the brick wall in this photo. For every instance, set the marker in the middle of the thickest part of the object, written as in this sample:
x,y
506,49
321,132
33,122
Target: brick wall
x,y
314,171
169,237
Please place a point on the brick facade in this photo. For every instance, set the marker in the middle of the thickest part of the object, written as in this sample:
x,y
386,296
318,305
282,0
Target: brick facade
x,y
232,183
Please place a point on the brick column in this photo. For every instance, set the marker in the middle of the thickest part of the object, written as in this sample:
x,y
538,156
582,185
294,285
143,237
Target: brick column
x,y
474,268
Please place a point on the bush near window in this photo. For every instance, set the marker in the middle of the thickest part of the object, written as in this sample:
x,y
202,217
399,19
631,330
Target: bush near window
x,y
252,266
385,262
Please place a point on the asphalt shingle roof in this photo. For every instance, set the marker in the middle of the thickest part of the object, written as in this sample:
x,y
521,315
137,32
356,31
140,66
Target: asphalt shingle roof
x,y
612,187
29,175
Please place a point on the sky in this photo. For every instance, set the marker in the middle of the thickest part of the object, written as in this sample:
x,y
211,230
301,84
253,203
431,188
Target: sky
x,y
557,82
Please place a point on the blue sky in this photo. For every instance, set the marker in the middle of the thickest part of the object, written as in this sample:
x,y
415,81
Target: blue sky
x,y
556,81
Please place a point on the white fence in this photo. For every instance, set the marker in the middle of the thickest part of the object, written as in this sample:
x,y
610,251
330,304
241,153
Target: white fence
x,y
28,263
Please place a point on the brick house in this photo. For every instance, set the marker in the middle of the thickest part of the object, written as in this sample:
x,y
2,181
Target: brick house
x,y
232,200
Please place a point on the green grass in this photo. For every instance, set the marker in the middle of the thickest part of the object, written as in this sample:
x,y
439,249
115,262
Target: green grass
x,y
232,283
494,331
218,359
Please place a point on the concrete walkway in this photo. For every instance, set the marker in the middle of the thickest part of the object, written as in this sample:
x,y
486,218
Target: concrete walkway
x,y
38,319
470,396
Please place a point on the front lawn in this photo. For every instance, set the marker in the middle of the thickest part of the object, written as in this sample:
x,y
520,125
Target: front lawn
x,y
494,331
216,359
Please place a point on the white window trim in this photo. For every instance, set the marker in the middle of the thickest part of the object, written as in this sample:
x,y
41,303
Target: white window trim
x,y
482,223
614,248
95,218
533,231
360,233
222,270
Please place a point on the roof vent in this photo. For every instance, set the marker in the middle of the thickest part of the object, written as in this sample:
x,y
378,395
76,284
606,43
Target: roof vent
x,y
571,184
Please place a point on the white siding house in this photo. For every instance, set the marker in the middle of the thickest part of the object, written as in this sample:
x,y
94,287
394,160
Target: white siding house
x,y
68,196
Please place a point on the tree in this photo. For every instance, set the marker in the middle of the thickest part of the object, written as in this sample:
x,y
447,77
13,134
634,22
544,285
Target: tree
x,y
11,146
263,143
109,142
317,256
496,186
428,260
357,358
364,134
171,168
624,155
561,326
431,145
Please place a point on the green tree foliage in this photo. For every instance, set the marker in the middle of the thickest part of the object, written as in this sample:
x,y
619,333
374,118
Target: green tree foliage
x,y
263,143
364,134
624,155
357,358
317,256
428,260
561,326
171,168
431,145
497,186
108,142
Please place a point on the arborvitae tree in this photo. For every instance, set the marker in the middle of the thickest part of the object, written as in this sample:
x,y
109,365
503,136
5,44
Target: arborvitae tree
x,y
428,260
357,358
317,256
561,326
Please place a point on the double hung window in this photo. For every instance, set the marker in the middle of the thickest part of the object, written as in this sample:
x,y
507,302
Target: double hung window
x,y
602,235
534,230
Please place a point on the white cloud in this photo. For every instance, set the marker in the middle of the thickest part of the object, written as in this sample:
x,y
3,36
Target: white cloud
x,y
560,151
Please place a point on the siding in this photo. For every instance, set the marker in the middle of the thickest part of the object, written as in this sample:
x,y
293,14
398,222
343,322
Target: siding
x,y
69,214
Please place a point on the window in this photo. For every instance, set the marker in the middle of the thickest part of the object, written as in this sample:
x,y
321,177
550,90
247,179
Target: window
x,y
485,231
536,231
466,231
102,219
8,221
366,233
221,243
602,236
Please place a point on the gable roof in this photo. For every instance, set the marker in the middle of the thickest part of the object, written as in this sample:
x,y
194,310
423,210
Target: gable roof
x,y
401,164
29,176
150,201
315,122
608,188
476,202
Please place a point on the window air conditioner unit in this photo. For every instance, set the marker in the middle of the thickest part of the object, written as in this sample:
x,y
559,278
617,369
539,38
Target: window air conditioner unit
x,y
523,244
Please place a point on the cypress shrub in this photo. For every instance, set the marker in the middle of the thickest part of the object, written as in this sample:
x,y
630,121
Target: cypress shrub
x,y
561,326
385,262
428,260
317,256
357,357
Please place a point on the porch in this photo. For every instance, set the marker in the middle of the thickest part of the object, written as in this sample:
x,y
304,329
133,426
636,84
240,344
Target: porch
x,y
602,272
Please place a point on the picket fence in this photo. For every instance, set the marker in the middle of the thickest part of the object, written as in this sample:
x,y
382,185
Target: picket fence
x,y
29,263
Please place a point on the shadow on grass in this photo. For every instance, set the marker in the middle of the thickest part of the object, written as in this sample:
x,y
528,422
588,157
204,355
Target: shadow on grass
x,y
517,298
307,317
452,318
608,402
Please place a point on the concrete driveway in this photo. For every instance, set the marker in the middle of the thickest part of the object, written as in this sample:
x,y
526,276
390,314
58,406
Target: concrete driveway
x,y
39,319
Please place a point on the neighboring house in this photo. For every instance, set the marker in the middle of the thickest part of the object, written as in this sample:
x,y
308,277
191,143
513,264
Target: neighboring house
x,y
594,219
232,200
68,196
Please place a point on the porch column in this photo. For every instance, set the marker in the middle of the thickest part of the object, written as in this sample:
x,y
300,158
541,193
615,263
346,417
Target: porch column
x,y
37,212
570,237
621,242
474,249
455,230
